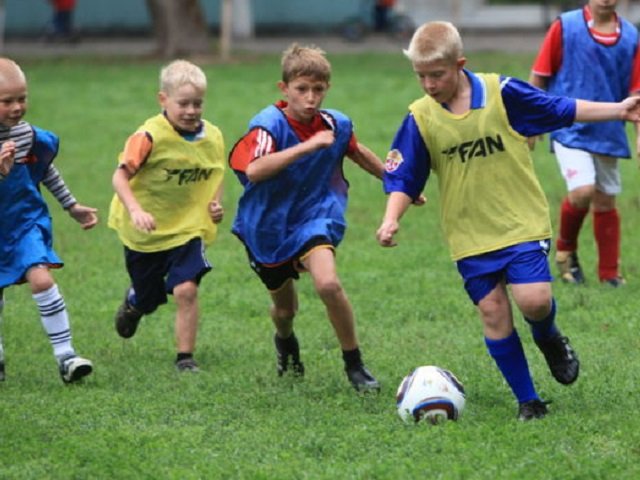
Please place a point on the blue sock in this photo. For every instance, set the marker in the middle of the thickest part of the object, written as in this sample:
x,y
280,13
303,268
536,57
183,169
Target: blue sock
x,y
509,356
545,328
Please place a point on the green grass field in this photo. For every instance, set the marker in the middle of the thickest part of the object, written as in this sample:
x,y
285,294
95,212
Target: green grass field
x,y
137,418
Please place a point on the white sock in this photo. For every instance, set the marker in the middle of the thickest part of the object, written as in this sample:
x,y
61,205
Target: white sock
x,y
53,314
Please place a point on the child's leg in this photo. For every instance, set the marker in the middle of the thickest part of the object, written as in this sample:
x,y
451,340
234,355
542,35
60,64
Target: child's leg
x,y
284,308
321,265
53,311
186,328
283,311
538,306
503,343
55,320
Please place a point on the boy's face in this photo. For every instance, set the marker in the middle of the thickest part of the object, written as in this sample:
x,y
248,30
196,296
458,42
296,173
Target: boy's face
x,y
13,100
304,96
439,79
183,106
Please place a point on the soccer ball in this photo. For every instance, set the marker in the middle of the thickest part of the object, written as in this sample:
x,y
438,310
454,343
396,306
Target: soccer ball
x,y
430,393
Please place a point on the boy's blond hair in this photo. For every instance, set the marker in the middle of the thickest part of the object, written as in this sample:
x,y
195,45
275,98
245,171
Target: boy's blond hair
x,y
435,41
181,72
298,61
10,71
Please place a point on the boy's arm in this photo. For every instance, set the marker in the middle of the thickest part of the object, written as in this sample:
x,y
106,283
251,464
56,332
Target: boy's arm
x,y
85,216
627,110
367,160
141,220
397,204
269,165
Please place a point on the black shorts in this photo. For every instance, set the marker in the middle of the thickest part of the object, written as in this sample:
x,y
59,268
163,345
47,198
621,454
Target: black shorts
x,y
274,276
155,274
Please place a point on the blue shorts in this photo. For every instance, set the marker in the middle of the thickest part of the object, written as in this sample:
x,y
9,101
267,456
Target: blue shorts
x,y
522,263
155,274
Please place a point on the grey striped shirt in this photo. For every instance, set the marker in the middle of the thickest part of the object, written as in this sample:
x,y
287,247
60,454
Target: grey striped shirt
x,y
22,134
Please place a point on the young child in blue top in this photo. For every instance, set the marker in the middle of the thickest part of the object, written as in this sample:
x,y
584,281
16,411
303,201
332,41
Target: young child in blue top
x,y
471,130
26,244
291,214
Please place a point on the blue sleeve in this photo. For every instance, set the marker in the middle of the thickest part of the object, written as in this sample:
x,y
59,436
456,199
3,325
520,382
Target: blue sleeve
x,y
532,111
408,164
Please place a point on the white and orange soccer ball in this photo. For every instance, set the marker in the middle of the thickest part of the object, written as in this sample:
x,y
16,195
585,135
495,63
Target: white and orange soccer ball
x,y
430,393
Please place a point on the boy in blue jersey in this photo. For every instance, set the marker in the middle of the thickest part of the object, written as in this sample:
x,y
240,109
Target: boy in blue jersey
x,y
291,215
590,53
26,244
471,130
167,206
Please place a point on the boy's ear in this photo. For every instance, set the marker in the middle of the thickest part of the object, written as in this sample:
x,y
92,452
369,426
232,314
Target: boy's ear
x,y
461,62
162,97
282,86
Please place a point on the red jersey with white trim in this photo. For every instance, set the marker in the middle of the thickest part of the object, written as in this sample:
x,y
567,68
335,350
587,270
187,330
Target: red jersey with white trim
x,y
258,142
549,58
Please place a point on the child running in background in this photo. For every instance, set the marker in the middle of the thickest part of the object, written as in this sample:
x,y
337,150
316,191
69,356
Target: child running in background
x,y
590,53
471,130
291,215
26,161
167,206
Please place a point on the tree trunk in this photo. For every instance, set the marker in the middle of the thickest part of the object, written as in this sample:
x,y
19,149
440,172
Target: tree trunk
x,y
180,27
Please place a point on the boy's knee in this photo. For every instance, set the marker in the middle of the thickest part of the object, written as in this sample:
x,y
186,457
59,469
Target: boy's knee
x,y
328,289
283,313
186,292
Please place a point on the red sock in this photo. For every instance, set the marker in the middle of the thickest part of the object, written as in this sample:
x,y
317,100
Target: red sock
x,y
606,228
571,219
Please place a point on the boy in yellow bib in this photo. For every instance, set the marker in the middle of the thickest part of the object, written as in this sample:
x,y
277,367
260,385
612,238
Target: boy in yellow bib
x,y
168,188
471,130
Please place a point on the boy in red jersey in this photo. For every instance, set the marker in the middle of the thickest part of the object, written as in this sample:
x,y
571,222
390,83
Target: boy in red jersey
x,y
167,206
590,53
291,214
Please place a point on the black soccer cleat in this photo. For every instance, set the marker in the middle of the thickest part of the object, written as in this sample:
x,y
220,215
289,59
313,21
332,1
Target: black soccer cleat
x,y
533,409
288,357
127,318
362,380
2,376
562,360
74,368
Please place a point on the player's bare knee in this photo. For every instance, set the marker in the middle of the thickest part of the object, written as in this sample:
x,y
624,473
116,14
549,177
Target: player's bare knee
x,y
186,292
328,289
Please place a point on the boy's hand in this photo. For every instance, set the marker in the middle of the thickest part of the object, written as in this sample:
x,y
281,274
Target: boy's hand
x,y
85,216
142,220
631,109
385,233
7,156
216,212
322,139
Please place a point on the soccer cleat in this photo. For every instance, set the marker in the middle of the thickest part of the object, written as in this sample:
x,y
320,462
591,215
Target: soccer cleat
x,y
533,409
288,358
562,360
127,318
361,379
615,282
2,376
74,368
569,266
187,365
